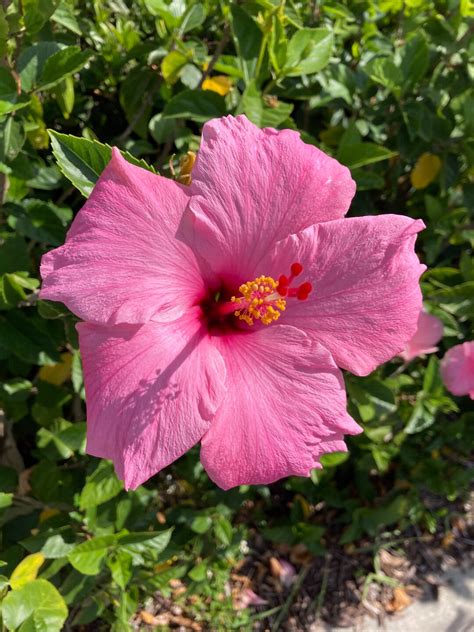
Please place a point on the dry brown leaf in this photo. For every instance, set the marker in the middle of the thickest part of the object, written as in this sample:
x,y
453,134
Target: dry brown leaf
x,y
179,591
242,579
276,568
24,486
447,540
185,622
175,583
400,601
389,561
300,555
150,619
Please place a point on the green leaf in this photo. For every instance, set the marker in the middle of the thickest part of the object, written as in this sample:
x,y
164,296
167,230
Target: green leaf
x,y
432,383
248,40
380,395
9,98
13,253
223,530
88,556
37,12
40,221
66,437
12,138
145,541
55,548
270,113
415,60
136,97
309,51
82,160
199,572
39,603
421,418
22,334
360,154
334,458
51,310
64,15
382,70
170,13
196,105
193,18
5,500
278,43
161,129
120,565
201,524
63,63
454,294
101,486
3,32
32,60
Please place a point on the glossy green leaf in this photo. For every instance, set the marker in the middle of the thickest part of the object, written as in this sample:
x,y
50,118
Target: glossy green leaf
x,y
63,63
248,39
196,105
101,486
10,99
361,154
38,603
37,12
309,51
88,556
415,60
82,160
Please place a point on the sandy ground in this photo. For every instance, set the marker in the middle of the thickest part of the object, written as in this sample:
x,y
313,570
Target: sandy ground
x,y
453,611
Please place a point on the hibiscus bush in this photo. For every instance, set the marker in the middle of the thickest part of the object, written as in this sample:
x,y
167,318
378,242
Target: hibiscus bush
x,y
383,86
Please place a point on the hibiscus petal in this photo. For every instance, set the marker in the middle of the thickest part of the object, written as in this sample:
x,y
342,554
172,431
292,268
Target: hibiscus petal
x,y
151,392
121,262
427,335
254,187
284,407
457,369
366,297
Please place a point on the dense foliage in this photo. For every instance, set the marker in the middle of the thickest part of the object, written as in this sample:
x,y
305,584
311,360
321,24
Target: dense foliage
x,y
384,86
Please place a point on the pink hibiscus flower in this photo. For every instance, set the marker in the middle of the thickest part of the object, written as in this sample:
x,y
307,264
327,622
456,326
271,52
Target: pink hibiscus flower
x,y
428,333
457,369
181,288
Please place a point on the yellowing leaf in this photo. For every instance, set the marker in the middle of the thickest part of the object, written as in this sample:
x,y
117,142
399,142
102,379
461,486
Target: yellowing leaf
x,y
425,171
57,373
466,8
49,512
220,84
26,571
172,65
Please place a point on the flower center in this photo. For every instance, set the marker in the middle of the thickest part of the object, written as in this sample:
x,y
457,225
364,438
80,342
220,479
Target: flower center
x,y
264,298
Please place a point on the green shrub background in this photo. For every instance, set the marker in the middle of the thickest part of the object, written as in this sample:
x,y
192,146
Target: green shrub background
x,y
376,84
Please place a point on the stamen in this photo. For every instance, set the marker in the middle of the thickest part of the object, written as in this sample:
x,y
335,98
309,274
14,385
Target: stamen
x,y
263,299
259,301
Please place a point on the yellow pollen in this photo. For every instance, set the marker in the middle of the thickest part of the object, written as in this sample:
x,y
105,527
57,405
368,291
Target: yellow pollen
x,y
259,301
